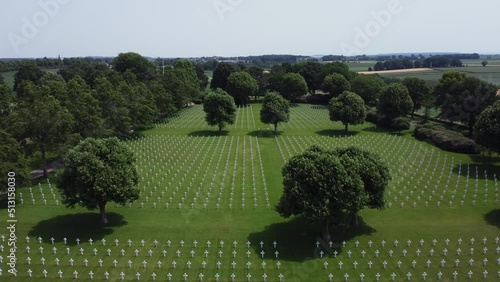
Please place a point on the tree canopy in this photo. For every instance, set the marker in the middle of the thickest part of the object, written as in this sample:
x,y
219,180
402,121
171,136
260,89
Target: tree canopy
x,y
348,108
332,186
241,85
368,87
420,93
98,171
220,75
219,108
335,84
29,72
462,98
143,69
292,86
275,109
487,128
394,101
12,159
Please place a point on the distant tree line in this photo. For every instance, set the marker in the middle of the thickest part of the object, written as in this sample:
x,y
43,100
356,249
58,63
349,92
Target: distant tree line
x,y
48,63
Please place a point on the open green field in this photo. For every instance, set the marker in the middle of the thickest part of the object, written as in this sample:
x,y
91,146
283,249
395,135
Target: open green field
x,y
204,197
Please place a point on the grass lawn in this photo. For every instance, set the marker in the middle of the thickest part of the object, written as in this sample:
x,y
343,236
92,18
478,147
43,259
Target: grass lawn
x,y
198,187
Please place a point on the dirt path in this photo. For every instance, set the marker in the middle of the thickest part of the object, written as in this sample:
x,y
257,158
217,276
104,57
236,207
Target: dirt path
x,y
38,173
395,71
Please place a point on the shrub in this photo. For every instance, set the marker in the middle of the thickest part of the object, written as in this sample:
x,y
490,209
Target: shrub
x,y
400,123
445,139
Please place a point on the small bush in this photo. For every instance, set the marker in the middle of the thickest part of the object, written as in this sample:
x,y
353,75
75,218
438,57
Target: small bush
x,y
445,139
400,123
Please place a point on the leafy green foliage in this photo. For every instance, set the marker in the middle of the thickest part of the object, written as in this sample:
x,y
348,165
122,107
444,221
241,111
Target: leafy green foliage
x,y
220,75
6,103
420,93
143,69
292,86
312,73
368,87
84,108
113,107
462,98
241,85
487,128
395,101
332,185
29,72
445,139
12,159
98,171
219,108
348,108
45,122
182,81
335,84
275,109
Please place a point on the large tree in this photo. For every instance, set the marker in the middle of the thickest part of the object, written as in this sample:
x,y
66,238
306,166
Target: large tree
x,y
182,81
335,84
220,75
219,108
98,171
487,128
85,109
462,98
137,64
312,73
368,87
114,108
6,103
45,122
241,85
12,159
29,72
348,108
275,109
394,101
293,85
332,186
419,91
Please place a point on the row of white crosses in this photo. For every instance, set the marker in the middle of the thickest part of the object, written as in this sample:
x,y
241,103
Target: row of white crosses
x,y
409,163
307,117
41,199
191,117
408,276
156,177
168,277
245,118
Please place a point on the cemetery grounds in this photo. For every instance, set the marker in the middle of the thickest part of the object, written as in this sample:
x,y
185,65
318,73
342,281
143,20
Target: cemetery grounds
x,y
206,212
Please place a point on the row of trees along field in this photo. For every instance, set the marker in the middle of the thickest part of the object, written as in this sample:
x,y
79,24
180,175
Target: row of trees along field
x,y
47,113
353,97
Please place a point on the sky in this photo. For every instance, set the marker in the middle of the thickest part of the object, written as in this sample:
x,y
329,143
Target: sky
x,y
195,28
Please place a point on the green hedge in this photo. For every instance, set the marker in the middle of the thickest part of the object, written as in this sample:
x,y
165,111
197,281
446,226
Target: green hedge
x,y
445,139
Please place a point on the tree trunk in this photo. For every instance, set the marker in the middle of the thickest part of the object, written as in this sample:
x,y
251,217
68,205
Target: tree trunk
x,y
44,161
346,128
412,113
220,129
275,128
355,221
102,210
326,231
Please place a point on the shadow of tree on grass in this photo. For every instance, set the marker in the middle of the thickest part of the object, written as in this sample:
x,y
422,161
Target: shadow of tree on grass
x,y
493,218
296,239
208,133
80,225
